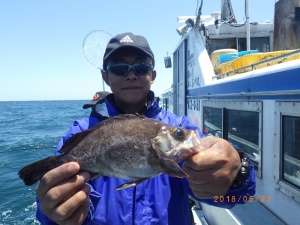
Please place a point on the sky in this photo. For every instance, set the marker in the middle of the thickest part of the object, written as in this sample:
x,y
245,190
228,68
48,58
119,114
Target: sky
x,y
41,42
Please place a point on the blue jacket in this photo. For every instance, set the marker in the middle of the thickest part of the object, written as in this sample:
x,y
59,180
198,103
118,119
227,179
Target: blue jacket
x,y
159,200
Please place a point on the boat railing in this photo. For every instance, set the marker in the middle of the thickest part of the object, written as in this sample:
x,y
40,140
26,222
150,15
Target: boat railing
x,y
255,65
247,94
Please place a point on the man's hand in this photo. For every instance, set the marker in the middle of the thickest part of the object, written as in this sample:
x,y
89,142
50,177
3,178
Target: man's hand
x,y
64,195
212,171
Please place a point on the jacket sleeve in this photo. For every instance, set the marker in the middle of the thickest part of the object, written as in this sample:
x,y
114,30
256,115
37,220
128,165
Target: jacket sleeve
x,y
234,196
77,126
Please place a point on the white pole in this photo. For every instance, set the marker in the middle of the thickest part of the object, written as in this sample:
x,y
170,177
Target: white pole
x,y
248,25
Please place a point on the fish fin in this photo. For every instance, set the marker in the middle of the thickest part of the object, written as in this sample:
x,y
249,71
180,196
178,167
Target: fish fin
x,y
32,173
74,140
171,168
131,184
120,117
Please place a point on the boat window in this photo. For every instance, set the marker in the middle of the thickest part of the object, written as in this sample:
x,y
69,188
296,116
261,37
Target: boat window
x,y
181,60
243,131
180,79
212,118
262,44
238,122
216,44
167,101
286,148
166,104
290,149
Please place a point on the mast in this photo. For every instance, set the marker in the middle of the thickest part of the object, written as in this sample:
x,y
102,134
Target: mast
x,y
247,25
227,15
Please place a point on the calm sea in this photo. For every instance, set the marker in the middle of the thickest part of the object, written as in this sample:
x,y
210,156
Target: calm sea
x,y
29,131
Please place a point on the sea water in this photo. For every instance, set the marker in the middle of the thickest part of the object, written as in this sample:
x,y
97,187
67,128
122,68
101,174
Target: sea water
x,y
29,131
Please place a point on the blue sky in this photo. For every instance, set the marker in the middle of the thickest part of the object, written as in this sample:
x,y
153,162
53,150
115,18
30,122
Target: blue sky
x,y
41,41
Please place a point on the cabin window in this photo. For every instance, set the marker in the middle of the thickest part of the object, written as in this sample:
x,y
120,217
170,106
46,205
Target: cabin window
x,y
287,148
216,44
291,150
179,79
167,101
262,44
243,131
238,122
166,104
212,121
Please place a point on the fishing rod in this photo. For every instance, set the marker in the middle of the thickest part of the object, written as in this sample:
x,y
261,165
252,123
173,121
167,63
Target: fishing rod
x,y
22,149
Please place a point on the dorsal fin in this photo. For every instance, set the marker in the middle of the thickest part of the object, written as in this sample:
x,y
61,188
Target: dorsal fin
x,y
74,140
125,116
118,118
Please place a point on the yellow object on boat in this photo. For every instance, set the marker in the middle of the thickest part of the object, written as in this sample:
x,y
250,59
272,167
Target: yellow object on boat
x,y
249,61
245,61
227,68
214,57
252,59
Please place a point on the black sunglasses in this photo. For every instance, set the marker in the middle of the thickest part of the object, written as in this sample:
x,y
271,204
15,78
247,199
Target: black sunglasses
x,y
122,69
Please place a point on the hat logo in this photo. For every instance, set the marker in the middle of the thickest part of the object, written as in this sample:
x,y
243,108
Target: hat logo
x,y
126,39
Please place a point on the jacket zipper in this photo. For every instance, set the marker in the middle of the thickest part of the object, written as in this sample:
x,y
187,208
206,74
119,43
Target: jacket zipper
x,y
133,204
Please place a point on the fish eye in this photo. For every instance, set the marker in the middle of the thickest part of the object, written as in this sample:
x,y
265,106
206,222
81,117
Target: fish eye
x,y
178,133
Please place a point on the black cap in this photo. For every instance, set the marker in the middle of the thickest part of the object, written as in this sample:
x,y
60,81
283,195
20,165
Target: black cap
x,y
100,95
126,40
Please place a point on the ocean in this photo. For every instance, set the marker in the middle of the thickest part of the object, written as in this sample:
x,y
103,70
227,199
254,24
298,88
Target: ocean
x,y
29,131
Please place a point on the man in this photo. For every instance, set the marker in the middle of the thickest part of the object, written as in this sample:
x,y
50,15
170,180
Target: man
x,y
66,196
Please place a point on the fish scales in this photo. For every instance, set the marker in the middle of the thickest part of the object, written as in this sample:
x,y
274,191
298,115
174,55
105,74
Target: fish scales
x,y
127,146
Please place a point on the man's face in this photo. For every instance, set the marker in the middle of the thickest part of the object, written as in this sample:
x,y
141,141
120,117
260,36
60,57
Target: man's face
x,y
130,91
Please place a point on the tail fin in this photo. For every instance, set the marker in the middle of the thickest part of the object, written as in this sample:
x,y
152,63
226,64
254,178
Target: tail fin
x,y
32,173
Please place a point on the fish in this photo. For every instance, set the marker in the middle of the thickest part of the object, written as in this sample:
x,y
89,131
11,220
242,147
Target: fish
x,y
128,146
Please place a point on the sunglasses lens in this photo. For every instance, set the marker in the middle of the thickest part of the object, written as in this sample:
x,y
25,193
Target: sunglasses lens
x,y
141,69
123,69
119,69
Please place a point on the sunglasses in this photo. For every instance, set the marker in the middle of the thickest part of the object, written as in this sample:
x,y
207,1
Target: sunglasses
x,y
122,69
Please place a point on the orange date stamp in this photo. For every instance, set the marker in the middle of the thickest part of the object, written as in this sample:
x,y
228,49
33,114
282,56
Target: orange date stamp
x,y
262,198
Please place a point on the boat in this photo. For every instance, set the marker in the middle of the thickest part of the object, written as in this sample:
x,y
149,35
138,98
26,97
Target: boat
x,y
241,82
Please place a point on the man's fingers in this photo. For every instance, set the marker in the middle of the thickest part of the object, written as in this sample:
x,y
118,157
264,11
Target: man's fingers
x,y
63,191
74,204
211,155
207,142
80,214
56,176
199,161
